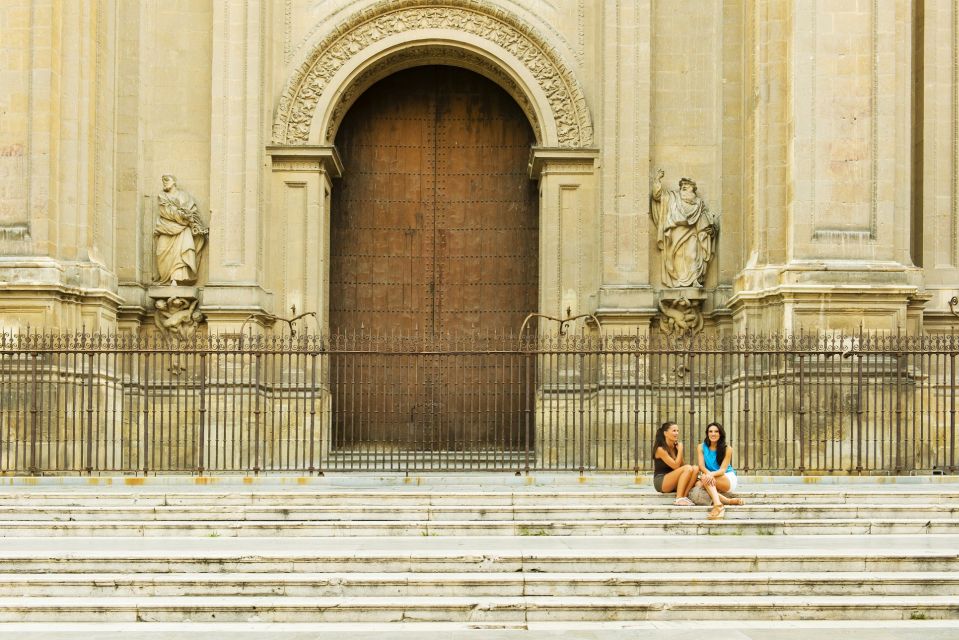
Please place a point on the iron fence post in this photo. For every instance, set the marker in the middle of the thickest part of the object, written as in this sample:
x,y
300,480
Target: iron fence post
x,y
34,413
746,443
690,371
530,400
201,444
802,415
582,409
256,413
952,410
898,357
146,414
89,448
313,360
859,411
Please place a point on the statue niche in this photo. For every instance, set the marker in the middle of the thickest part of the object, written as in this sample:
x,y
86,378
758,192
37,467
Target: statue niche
x,y
686,236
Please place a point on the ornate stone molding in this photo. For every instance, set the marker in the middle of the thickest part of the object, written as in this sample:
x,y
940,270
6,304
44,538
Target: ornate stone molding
x,y
475,18
414,56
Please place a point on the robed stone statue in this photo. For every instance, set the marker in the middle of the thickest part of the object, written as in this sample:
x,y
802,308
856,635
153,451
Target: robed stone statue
x,y
686,232
180,235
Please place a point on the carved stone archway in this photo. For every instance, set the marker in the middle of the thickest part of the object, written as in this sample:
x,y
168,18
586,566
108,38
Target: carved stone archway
x,y
396,34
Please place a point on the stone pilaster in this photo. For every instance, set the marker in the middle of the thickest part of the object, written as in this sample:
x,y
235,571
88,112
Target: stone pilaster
x,y
829,193
568,230
300,189
55,269
239,130
938,224
625,295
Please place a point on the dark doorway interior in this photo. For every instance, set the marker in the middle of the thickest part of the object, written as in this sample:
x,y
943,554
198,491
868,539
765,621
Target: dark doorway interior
x,y
434,233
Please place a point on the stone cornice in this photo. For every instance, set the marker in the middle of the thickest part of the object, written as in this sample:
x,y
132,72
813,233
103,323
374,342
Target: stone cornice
x,y
317,156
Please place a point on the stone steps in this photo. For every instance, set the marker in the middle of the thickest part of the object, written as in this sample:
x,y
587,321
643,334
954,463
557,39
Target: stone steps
x,y
477,513
404,497
694,524
587,560
622,630
464,609
523,555
597,585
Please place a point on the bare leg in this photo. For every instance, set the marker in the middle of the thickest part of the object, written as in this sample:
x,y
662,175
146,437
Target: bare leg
x,y
722,485
686,481
671,478
713,493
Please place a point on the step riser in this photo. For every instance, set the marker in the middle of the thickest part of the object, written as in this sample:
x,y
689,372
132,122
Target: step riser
x,y
341,529
439,590
297,499
353,612
479,515
581,565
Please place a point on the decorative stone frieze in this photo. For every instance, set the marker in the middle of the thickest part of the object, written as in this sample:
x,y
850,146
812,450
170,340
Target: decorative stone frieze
x,y
436,53
298,102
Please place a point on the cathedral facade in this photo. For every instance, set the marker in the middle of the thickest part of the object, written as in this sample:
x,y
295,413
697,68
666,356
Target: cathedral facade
x,y
448,166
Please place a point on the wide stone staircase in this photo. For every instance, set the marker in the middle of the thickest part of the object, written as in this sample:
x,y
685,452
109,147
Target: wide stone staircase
x,y
475,556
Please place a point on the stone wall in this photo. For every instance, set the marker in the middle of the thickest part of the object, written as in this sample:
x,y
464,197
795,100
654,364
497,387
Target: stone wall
x,y
824,133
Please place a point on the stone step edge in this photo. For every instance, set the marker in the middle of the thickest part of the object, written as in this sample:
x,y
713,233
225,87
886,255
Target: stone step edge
x,y
416,477
113,492
461,555
672,630
837,577
360,601
446,508
697,519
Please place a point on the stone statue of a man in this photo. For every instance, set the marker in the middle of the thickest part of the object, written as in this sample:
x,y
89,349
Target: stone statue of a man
x,y
180,235
686,232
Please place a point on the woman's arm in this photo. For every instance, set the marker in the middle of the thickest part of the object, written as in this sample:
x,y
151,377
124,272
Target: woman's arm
x,y
674,463
721,471
703,474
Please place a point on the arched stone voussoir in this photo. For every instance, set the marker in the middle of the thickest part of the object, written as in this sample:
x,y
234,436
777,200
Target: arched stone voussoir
x,y
551,96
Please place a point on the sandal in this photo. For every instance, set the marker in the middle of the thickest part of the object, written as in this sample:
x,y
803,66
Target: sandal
x,y
736,502
683,502
717,513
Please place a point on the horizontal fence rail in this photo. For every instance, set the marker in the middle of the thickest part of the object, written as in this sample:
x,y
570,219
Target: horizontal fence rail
x,y
312,404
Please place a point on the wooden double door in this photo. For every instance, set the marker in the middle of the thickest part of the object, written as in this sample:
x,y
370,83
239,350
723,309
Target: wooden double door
x,y
434,233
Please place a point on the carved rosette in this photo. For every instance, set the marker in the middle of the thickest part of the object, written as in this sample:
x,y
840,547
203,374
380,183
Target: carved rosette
x,y
298,102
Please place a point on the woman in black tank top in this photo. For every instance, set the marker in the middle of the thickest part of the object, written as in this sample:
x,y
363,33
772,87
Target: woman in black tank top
x,y
669,472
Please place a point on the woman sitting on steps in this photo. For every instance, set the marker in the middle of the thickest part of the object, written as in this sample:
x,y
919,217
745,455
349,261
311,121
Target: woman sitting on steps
x,y
716,472
669,472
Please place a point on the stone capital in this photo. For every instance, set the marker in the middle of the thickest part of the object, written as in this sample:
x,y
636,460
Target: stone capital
x,y
563,160
306,158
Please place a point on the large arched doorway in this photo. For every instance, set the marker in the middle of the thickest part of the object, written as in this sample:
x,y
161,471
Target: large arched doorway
x,y
434,233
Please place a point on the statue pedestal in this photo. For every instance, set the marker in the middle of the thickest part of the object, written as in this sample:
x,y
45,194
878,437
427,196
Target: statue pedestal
x,y
177,313
681,310
165,292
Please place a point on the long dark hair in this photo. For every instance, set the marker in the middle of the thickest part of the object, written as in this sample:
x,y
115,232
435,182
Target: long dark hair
x,y
661,439
720,445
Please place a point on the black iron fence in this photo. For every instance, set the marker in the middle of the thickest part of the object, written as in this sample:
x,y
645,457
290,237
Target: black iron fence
x,y
312,404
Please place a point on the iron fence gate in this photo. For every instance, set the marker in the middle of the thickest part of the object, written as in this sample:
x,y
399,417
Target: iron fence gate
x,y
311,404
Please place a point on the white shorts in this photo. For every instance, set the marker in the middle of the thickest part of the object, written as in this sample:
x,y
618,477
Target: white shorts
x,y
733,481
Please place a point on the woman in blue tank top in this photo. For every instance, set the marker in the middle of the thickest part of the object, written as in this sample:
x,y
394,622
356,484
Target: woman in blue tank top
x,y
716,472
